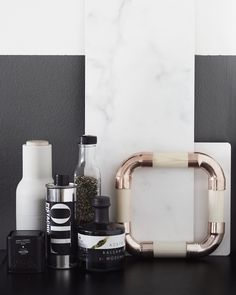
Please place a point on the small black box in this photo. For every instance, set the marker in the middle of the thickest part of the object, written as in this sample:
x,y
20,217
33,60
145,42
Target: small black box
x,y
26,251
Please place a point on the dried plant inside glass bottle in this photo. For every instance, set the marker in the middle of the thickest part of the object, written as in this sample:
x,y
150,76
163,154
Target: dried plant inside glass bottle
x,y
87,189
87,178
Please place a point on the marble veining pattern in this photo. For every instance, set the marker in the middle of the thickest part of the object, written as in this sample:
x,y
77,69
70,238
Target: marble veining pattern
x,y
140,96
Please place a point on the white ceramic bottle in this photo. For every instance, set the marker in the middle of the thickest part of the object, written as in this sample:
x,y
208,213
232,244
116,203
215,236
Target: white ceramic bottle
x,y
31,190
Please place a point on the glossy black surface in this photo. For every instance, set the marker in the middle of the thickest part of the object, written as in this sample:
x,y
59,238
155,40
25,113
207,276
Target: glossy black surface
x,y
210,275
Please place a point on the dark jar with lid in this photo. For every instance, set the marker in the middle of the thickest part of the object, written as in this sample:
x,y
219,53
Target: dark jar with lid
x,y
101,243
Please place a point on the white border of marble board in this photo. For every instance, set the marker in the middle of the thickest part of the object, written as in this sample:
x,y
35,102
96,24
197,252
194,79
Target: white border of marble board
x,y
222,153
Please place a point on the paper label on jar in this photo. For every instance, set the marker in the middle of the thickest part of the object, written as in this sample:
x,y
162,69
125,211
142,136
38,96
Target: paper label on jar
x,y
101,242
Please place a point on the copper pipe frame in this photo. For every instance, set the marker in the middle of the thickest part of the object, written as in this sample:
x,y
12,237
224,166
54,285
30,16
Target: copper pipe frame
x,y
216,182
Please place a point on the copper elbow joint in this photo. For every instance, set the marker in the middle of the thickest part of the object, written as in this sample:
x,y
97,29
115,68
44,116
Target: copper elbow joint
x,y
216,188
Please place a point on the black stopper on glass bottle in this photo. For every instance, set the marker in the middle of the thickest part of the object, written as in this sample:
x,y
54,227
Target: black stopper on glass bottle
x,y
88,139
101,206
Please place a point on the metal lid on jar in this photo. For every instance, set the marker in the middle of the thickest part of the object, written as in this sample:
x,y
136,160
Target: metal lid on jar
x,y
61,190
88,139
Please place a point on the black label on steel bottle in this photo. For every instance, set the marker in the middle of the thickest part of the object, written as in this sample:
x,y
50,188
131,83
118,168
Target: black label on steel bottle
x,y
61,234
60,225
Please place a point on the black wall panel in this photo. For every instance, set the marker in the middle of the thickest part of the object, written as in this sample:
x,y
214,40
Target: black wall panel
x,y
41,97
215,110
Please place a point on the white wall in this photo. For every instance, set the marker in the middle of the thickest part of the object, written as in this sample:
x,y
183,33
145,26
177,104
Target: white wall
x,y
57,27
215,27
46,27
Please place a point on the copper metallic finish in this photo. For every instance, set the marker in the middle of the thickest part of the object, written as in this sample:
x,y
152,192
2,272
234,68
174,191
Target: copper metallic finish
x,y
216,228
147,249
132,246
127,226
216,178
210,243
216,182
123,176
144,249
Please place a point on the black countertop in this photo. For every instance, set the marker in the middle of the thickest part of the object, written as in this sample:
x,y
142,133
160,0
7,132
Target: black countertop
x,y
210,275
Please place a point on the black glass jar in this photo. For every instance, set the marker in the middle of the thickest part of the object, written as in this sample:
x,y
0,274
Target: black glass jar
x,y
101,243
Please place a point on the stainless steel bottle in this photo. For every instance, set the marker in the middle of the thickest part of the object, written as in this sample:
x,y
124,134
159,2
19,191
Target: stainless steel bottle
x,y
61,223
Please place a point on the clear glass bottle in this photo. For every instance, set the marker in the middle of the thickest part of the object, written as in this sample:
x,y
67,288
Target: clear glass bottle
x,y
87,177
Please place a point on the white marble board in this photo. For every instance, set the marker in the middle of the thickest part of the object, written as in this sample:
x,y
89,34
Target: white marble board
x,y
140,96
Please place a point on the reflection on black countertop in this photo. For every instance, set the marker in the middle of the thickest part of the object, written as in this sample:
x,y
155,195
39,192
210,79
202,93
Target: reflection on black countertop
x,y
210,275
